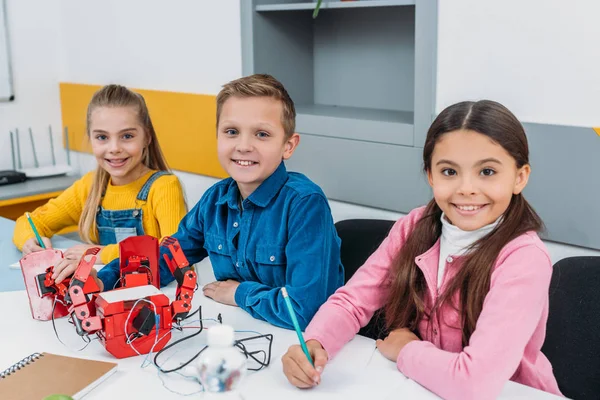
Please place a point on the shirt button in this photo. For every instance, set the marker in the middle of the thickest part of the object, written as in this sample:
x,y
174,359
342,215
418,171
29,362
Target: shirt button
x,y
435,331
220,247
272,258
237,263
235,224
449,259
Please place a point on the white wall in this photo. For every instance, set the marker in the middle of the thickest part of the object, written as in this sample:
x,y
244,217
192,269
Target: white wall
x,y
34,42
539,58
189,46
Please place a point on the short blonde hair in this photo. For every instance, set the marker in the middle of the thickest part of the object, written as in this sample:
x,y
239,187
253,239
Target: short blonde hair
x,y
260,85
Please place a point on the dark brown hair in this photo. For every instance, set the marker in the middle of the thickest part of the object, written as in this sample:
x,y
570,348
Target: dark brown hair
x,y
260,85
405,305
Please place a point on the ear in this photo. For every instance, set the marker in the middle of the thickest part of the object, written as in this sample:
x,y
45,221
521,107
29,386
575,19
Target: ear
x,y
522,178
429,178
290,145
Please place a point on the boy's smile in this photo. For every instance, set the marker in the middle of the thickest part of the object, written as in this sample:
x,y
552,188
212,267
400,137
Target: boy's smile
x,y
251,140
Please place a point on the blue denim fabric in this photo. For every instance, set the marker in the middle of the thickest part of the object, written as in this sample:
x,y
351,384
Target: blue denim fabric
x,y
283,236
116,225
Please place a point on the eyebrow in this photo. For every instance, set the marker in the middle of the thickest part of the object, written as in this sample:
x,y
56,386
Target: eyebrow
x,y
121,131
259,125
442,161
484,161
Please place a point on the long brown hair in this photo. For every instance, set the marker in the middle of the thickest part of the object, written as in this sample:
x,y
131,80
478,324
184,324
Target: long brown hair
x,y
405,305
117,96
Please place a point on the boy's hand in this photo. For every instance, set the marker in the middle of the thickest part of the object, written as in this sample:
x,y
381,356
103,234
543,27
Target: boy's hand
x,y
391,346
77,251
222,291
32,245
297,368
94,274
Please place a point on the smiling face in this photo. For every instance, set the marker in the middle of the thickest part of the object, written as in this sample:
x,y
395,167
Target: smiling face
x,y
118,141
251,140
473,178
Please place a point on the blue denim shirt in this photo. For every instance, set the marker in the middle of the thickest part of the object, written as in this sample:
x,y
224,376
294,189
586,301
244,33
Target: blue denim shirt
x,y
283,236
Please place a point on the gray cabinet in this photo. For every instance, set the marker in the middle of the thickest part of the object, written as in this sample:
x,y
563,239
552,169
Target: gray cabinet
x,y
362,76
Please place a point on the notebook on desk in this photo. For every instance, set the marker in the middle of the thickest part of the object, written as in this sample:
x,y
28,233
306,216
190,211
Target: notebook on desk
x,y
41,375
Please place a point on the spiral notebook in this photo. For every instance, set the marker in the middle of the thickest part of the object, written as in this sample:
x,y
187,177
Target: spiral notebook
x,y
43,374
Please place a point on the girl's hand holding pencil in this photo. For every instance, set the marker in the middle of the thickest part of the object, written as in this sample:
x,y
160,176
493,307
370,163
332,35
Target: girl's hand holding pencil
x,y
32,245
298,369
35,244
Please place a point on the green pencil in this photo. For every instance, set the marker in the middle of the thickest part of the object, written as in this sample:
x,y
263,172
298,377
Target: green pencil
x,y
296,326
37,235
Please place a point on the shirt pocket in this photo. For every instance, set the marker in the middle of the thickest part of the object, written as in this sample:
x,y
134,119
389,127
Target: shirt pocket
x,y
124,233
271,264
220,256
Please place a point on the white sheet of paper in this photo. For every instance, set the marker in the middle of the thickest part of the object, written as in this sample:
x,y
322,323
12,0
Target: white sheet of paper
x,y
338,382
18,266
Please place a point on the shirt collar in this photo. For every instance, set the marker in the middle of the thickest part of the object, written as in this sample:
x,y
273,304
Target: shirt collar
x,y
262,195
463,239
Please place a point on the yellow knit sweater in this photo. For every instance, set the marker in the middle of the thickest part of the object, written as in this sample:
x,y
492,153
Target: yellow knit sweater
x,y
161,214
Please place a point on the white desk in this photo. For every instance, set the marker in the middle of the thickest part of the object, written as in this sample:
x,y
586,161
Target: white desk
x,y
344,376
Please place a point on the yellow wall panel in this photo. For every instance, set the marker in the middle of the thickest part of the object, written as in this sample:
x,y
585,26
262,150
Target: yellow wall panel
x,y
597,131
184,123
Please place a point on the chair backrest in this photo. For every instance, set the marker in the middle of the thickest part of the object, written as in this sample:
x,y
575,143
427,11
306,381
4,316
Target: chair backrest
x,y
360,238
573,332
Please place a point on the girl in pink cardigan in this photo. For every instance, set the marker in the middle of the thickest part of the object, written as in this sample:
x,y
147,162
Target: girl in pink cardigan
x,y
463,281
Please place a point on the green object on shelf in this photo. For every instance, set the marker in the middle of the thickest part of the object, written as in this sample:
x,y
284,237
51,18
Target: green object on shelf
x,y
58,397
317,8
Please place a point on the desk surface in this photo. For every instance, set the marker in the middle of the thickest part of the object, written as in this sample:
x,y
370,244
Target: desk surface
x,y
357,372
32,187
12,279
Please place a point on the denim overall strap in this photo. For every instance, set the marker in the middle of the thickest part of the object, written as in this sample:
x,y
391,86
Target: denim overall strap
x,y
143,194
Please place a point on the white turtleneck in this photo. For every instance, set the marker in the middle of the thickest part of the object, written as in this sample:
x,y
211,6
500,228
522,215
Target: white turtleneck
x,y
455,242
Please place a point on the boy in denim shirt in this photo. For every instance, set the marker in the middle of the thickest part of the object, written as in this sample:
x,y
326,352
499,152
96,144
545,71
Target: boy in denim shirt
x,y
263,228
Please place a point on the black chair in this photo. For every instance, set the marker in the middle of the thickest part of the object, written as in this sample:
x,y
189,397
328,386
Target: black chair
x,y
573,332
360,238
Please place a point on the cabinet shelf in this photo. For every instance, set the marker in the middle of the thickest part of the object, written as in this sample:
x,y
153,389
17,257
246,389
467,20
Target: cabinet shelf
x,y
333,5
370,125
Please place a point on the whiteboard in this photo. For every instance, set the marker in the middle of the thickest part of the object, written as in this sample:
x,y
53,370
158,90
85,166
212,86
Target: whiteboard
x,y
6,85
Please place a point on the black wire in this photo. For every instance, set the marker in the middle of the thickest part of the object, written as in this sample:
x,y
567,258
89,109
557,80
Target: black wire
x,y
85,338
266,360
179,341
192,314
251,354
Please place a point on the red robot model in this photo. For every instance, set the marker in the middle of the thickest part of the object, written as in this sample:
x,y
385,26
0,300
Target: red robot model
x,y
135,318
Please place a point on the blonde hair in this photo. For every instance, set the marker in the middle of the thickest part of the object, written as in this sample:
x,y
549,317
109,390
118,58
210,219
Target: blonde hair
x,y
260,85
117,96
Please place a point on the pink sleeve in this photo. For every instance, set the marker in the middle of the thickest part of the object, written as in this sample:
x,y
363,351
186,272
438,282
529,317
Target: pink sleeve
x,y
511,312
352,306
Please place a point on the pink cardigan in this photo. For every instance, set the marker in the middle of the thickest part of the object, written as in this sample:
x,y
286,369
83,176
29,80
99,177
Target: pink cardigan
x,y
509,333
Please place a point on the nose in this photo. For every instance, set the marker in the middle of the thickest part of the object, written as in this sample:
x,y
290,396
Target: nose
x,y
114,146
244,143
467,186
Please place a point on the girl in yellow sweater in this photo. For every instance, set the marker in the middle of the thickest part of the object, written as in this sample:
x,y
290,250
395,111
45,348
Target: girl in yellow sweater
x,y
130,193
